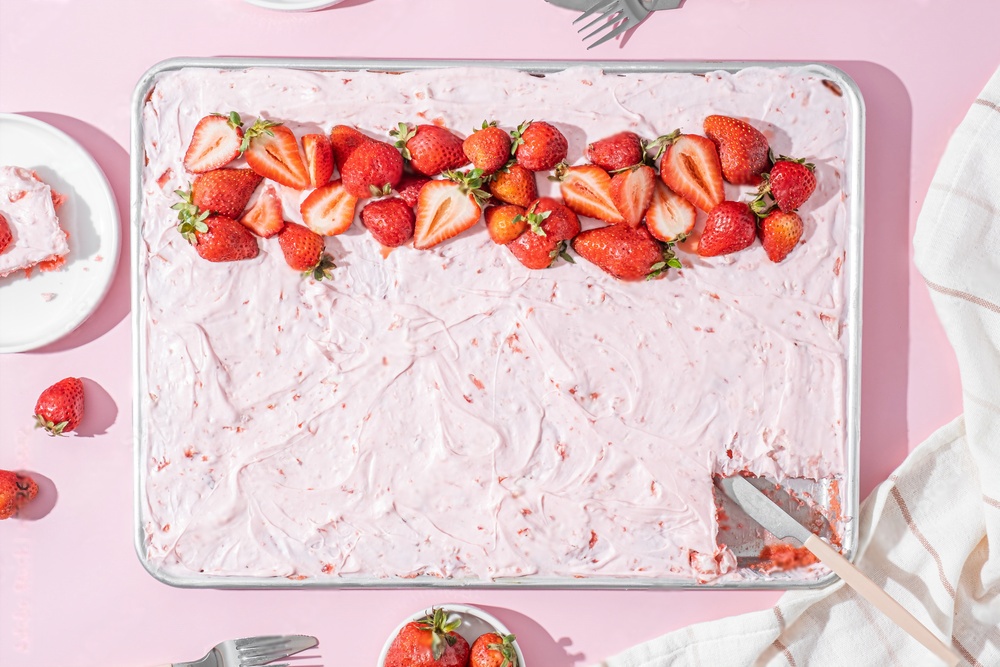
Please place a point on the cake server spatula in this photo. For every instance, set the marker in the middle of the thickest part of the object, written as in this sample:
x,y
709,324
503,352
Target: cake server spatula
x,y
778,523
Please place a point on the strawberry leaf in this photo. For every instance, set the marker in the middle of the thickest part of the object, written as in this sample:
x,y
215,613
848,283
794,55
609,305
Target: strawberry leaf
x,y
403,134
515,137
321,270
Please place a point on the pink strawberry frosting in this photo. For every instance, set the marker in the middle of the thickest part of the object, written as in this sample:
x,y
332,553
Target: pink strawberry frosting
x,y
450,414
27,204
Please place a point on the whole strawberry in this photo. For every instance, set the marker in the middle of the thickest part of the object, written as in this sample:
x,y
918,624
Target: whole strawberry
x,y
430,149
505,223
791,182
15,491
616,152
730,226
303,251
538,146
409,187
488,148
59,408
514,185
625,252
743,150
224,191
492,650
390,221
551,224
372,166
429,642
215,238
5,234
343,140
779,233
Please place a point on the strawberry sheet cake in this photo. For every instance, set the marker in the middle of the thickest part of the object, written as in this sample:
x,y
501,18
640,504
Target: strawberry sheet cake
x,y
446,407
29,227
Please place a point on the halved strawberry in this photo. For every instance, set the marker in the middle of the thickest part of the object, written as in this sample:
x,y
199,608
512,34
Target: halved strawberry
x,y
273,152
670,217
515,185
303,251
538,146
343,140
217,140
329,210
618,151
691,168
409,187
319,159
265,218
586,189
224,191
780,232
430,149
743,150
372,167
632,192
625,252
731,226
488,147
448,207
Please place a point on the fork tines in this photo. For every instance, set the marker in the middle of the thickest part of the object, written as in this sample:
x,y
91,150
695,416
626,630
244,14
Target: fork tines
x,y
614,13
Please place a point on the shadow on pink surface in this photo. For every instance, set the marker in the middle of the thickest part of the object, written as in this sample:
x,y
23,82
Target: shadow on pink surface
x,y
545,649
44,502
885,340
100,412
114,162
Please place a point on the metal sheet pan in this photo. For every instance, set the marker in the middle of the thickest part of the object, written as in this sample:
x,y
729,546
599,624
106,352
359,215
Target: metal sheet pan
x,y
848,485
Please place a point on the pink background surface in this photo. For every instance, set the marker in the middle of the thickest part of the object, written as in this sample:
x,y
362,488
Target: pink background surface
x,y
72,592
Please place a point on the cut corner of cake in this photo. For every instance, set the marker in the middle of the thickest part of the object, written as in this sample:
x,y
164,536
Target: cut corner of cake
x,y
33,234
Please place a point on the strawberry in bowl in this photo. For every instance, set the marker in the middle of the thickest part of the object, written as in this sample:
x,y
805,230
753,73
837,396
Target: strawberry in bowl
x,y
483,639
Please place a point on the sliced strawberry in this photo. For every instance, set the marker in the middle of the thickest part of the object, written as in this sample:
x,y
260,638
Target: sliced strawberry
x,y
329,210
409,187
618,151
586,189
265,218
303,251
217,141
690,167
670,216
731,226
319,159
430,149
632,192
273,153
448,207
224,191
780,232
743,150
343,140
372,168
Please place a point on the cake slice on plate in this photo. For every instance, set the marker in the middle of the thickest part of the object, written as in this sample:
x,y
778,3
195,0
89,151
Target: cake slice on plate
x,y
29,227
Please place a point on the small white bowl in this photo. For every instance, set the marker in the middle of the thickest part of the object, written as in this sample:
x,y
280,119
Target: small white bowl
x,y
475,622
294,5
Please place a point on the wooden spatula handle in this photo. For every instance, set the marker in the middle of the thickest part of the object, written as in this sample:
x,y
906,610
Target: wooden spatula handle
x,y
867,588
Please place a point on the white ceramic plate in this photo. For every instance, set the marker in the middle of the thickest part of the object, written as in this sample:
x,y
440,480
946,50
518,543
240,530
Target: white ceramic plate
x,y
295,5
50,304
475,622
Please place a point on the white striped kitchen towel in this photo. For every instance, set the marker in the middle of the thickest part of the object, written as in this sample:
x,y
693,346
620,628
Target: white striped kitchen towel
x,y
930,535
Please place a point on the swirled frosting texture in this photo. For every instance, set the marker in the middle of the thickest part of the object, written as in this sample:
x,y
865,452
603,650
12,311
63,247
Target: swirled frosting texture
x,y
449,413
26,203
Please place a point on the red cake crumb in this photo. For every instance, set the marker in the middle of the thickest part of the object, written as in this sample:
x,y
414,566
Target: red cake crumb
x,y
785,557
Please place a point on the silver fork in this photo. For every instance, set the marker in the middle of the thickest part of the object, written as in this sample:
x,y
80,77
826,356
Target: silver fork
x,y
619,16
252,651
